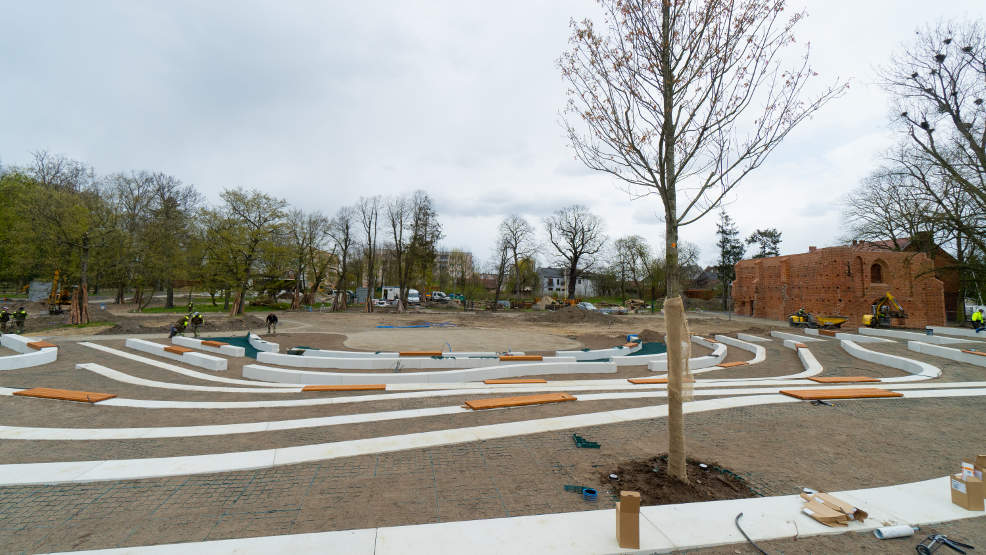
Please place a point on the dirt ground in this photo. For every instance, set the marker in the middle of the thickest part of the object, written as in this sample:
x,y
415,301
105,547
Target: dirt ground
x,y
773,449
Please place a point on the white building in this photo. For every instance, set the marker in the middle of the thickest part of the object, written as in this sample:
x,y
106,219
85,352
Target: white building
x,y
554,282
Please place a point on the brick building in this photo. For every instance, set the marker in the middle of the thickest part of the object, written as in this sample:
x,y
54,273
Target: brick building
x,y
843,281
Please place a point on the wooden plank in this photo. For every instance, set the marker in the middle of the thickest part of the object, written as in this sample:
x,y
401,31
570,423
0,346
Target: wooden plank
x,y
38,345
829,333
710,340
349,387
800,346
65,394
732,364
420,353
980,353
843,379
517,380
214,343
857,393
647,380
522,357
178,350
521,401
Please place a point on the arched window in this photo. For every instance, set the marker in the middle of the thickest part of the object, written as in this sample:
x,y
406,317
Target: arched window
x,y
876,273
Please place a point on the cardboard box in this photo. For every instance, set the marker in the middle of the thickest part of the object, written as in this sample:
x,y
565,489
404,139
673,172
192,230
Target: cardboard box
x,y
967,492
630,501
826,515
851,512
627,527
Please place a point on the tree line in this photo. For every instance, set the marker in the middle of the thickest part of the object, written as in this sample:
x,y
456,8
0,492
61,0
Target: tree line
x,y
142,233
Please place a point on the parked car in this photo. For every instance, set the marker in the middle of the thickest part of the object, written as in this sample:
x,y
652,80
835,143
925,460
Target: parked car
x,y
587,306
382,303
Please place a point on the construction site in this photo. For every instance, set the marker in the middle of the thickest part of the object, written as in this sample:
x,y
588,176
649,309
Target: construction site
x,y
390,433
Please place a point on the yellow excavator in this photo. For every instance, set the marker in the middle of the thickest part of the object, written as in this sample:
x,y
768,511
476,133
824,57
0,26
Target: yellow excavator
x,y
884,309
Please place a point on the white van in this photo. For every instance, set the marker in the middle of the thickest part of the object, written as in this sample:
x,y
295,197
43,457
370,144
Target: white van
x,y
413,297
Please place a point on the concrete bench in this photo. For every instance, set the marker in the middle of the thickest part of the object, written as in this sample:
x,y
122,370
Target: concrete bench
x,y
209,346
32,352
179,353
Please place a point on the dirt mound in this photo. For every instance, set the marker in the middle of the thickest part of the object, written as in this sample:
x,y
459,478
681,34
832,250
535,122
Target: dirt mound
x,y
134,325
650,478
573,315
651,336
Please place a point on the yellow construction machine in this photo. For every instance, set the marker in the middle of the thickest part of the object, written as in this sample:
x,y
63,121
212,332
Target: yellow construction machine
x,y
885,308
804,319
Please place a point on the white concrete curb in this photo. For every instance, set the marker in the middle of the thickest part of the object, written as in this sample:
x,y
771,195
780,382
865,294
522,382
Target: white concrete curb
x,y
961,332
262,345
946,352
28,357
920,370
596,354
794,336
759,353
269,374
201,360
193,343
914,336
694,363
753,338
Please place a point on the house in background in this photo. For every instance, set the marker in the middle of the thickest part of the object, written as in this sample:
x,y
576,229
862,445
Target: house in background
x,y
554,282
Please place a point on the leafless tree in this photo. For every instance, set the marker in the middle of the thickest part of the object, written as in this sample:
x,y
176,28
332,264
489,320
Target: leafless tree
x,y
307,234
415,232
577,237
517,235
684,99
369,215
342,233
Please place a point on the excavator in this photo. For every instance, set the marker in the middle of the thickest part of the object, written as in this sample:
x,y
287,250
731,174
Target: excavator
x,y
885,308
60,295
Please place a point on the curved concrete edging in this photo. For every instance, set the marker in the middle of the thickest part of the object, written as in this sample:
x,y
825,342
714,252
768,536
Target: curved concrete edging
x,y
201,360
134,469
960,332
262,345
753,338
596,354
914,336
374,363
127,378
364,354
804,338
28,357
694,363
920,370
195,343
759,353
946,352
178,369
863,338
268,374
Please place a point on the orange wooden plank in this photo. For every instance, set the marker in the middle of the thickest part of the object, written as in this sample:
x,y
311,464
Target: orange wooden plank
x,y
647,380
521,357
214,343
800,346
980,353
350,387
630,345
710,340
65,394
40,345
517,380
732,364
856,393
177,349
523,400
829,333
843,379
420,353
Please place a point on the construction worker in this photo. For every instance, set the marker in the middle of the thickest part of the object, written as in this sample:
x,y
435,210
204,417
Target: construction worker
x,y
4,318
197,321
181,325
190,306
272,323
977,320
20,317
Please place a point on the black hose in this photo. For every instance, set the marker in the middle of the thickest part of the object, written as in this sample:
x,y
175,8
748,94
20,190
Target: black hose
x,y
747,537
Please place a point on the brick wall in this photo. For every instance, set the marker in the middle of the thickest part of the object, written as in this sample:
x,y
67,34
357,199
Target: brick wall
x,y
839,281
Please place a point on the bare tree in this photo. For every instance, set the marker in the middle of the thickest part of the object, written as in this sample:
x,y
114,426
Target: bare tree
x,y
341,231
684,99
501,260
517,236
369,213
577,237
307,233
415,232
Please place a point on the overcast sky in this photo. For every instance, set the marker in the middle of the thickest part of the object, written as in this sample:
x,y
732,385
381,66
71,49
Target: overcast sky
x,y
322,102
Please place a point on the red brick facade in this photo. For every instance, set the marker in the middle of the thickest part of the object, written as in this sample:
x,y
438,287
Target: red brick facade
x,y
843,281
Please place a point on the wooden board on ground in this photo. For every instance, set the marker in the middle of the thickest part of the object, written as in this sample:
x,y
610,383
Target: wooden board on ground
x,y
38,345
522,357
856,393
843,379
178,350
420,353
348,387
520,401
647,380
517,380
65,394
732,364
980,353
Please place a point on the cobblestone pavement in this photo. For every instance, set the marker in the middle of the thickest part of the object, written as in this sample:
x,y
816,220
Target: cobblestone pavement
x,y
778,448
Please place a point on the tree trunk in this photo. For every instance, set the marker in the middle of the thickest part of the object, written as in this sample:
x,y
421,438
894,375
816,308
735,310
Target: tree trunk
x,y
80,301
239,301
169,300
119,295
226,299
571,278
679,351
212,296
